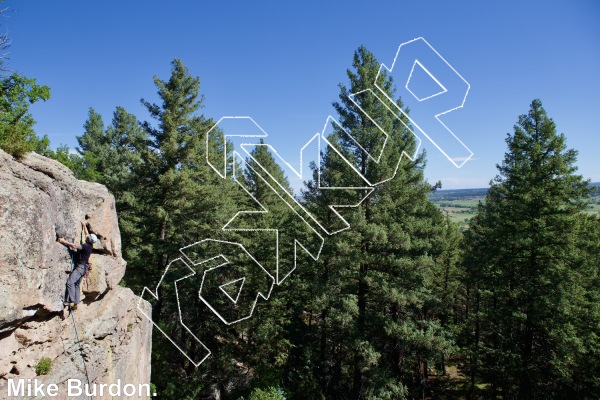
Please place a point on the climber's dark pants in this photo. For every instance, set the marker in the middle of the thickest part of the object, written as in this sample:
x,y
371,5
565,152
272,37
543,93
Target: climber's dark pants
x,y
73,283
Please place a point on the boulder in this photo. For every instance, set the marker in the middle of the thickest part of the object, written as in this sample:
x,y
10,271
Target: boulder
x,y
40,199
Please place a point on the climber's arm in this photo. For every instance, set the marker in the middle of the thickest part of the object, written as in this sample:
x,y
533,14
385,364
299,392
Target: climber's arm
x,y
84,226
73,246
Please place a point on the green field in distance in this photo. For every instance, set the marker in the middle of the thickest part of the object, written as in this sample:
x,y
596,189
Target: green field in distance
x,y
461,204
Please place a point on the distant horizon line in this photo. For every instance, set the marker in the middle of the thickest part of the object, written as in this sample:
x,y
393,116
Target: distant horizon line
x,y
486,188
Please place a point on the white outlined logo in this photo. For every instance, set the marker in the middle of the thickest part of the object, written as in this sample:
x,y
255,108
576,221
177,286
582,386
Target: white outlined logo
x,y
426,112
231,280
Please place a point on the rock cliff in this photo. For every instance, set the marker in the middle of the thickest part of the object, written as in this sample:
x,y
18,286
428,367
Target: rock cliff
x,y
40,198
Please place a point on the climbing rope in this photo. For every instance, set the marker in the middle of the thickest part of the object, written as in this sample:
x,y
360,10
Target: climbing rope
x,y
87,377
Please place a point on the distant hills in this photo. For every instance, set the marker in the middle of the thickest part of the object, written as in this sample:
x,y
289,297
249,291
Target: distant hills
x,y
469,194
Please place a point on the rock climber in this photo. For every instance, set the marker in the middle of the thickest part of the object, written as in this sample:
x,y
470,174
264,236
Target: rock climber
x,y
82,265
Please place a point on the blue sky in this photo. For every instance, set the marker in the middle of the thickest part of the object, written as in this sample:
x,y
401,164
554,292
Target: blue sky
x,y
281,62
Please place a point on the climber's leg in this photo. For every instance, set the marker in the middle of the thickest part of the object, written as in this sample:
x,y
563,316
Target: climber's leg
x,y
78,287
73,283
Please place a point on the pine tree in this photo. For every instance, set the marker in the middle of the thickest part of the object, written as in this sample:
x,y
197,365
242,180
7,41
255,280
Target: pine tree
x,y
373,331
583,380
112,155
182,193
521,265
266,335
93,145
182,201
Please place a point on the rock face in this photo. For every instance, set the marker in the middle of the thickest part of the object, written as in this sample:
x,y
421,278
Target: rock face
x,y
40,198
